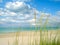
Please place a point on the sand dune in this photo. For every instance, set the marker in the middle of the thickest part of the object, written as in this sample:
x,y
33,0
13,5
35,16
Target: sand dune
x,y
27,37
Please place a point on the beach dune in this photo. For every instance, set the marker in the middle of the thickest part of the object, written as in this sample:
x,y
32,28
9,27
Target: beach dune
x,y
27,37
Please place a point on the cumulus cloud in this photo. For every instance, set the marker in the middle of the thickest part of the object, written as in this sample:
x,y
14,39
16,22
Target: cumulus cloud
x,y
58,13
16,12
20,13
18,7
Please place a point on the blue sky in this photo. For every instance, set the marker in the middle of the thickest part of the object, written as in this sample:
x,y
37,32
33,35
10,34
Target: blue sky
x,y
47,6
21,12
41,5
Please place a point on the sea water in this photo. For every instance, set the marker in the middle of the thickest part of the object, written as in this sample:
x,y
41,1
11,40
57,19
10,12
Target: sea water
x,y
14,29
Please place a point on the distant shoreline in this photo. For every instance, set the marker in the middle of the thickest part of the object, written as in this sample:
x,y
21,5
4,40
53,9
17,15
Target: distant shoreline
x,y
19,30
33,31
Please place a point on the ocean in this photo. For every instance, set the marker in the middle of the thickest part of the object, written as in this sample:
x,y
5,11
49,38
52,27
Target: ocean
x,y
14,29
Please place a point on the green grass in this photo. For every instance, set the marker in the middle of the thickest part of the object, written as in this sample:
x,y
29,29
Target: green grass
x,y
54,41
42,41
48,42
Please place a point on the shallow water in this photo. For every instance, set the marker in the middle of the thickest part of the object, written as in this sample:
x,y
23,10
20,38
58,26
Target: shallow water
x,y
4,29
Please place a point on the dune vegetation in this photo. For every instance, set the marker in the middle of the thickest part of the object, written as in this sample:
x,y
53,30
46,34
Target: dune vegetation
x,y
39,37
48,39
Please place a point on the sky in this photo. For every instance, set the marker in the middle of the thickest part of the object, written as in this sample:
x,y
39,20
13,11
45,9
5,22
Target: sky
x,y
20,13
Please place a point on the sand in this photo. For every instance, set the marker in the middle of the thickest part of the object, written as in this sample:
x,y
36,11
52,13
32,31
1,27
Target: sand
x,y
27,37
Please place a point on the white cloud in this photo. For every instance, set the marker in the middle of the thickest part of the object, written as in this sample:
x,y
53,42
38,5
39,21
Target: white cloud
x,y
20,12
32,20
1,22
33,24
8,14
58,13
13,20
14,5
3,19
17,6
1,11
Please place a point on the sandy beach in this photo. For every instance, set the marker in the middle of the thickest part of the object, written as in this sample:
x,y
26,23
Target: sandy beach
x,y
27,37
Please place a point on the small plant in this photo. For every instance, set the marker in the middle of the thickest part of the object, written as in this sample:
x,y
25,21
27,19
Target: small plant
x,y
16,40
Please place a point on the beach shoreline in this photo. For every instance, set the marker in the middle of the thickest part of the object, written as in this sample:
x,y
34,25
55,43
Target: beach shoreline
x,y
27,36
